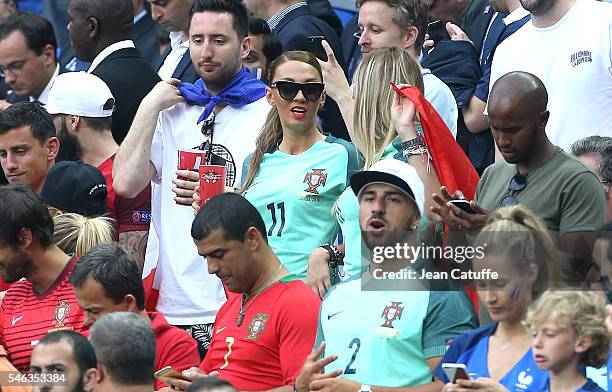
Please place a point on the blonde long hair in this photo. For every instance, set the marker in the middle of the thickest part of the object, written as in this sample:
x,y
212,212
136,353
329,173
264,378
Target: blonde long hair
x,y
373,128
272,132
77,234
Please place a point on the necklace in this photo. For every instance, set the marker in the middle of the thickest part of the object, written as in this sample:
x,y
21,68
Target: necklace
x,y
243,304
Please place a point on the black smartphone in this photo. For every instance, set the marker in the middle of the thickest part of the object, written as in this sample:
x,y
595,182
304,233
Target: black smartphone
x,y
464,205
437,31
315,47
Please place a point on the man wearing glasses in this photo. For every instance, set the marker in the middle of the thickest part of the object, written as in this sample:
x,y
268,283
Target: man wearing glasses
x,y
27,57
535,173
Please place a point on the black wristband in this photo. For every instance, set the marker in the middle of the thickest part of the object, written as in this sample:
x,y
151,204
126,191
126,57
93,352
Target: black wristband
x,y
413,143
335,258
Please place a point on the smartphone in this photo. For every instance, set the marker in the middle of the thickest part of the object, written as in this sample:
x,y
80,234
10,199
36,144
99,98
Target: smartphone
x,y
315,47
169,372
464,205
455,371
437,31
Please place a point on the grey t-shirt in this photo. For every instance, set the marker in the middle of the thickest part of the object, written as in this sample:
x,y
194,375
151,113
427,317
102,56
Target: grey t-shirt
x,y
561,191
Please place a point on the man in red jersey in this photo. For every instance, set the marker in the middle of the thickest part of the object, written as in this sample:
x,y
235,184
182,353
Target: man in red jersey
x,y
41,299
82,105
107,280
262,335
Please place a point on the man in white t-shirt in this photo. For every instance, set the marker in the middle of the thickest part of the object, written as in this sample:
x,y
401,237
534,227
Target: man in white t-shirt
x,y
568,45
188,295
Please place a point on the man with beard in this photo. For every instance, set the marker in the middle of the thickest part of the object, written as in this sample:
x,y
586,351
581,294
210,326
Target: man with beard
x,y
70,356
568,45
41,298
387,315
222,113
565,194
82,108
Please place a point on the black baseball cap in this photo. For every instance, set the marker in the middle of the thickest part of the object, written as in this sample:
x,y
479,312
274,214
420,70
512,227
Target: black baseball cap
x,y
75,187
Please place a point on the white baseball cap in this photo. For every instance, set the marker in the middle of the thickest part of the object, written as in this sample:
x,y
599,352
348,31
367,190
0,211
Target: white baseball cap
x,y
80,94
392,172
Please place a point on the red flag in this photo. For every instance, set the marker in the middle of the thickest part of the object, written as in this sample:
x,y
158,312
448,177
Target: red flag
x,y
454,169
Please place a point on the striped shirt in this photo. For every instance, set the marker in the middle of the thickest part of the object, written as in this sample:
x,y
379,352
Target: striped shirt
x,y
275,20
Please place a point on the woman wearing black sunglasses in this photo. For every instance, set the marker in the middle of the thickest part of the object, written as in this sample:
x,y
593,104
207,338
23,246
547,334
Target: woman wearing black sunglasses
x,y
297,173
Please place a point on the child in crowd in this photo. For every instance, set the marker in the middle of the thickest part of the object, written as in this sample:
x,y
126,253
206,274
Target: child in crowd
x,y
569,333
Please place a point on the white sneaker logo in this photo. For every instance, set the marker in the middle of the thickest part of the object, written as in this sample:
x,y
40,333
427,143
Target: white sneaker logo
x,y
15,319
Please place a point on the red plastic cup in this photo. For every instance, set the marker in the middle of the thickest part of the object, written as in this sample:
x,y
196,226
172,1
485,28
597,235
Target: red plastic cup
x,y
212,182
190,159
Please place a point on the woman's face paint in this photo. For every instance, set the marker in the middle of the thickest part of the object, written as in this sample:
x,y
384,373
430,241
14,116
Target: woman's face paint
x,y
516,291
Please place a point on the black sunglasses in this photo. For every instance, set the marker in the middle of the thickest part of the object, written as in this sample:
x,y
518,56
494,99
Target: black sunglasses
x,y
517,184
288,90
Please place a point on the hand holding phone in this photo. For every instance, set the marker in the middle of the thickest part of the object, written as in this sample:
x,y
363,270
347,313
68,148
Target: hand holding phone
x,y
464,205
168,371
455,371
315,47
437,31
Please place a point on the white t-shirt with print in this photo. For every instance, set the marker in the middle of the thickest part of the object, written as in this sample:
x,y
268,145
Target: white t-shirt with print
x,y
574,60
188,295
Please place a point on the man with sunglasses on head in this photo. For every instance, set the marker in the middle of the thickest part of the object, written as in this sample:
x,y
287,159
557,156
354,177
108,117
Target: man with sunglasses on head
x,y
383,24
565,194
226,106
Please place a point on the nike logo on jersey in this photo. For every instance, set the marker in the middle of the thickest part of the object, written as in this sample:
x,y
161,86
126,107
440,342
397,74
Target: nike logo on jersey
x,y
15,319
329,316
220,329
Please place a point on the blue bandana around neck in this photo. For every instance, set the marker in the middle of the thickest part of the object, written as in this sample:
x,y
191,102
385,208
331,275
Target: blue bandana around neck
x,y
241,91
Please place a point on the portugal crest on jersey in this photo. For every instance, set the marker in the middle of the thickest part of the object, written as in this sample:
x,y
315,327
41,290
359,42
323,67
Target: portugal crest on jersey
x,y
315,179
62,310
391,313
257,325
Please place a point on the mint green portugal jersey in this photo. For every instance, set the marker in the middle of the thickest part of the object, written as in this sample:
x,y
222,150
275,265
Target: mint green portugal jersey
x,y
295,194
347,214
384,338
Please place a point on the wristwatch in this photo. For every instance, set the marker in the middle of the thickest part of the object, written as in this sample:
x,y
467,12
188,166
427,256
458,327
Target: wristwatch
x,y
366,388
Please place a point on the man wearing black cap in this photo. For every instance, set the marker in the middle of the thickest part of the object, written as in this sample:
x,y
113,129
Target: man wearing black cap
x,y
75,187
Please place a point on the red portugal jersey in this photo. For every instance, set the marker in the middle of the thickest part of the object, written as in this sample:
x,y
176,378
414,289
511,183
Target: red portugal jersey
x,y
26,316
173,347
269,349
